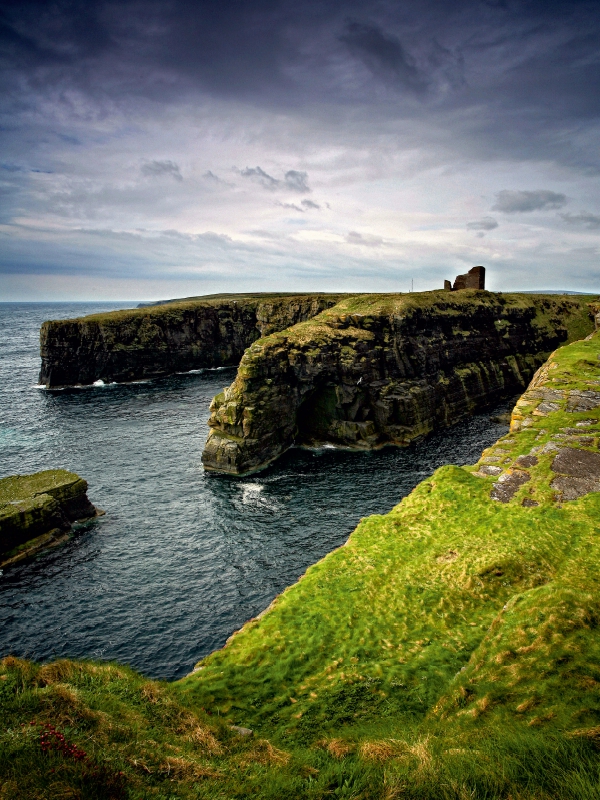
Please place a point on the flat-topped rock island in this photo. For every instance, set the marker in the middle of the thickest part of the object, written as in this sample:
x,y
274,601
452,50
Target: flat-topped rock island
x,y
37,511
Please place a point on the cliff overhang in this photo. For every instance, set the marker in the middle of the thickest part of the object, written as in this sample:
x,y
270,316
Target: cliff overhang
x,y
383,369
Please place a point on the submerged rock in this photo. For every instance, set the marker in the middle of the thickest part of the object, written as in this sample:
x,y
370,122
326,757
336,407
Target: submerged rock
x,y
38,510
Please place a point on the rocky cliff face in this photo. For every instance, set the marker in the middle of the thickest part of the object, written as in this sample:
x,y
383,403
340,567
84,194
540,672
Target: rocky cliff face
x,y
160,340
37,510
374,370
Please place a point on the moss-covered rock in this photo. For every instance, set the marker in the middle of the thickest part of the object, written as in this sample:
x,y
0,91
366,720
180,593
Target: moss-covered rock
x,y
159,340
37,510
381,369
458,616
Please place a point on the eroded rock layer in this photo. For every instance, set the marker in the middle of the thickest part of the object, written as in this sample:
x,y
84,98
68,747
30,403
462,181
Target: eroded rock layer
x,y
379,369
163,339
38,510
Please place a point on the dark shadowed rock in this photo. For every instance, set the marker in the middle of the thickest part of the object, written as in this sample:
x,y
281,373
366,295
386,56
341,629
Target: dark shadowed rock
x,y
528,502
580,473
163,339
577,463
37,510
380,369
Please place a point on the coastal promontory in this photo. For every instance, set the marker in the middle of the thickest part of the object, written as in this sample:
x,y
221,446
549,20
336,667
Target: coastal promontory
x,y
384,369
177,336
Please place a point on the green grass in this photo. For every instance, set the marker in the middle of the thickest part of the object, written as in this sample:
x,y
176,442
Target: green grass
x,y
174,310
59,483
450,650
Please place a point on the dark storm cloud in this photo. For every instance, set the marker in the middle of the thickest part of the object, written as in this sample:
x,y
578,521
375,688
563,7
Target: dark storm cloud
x,y
158,168
484,224
511,202
382,53
529,69
585,219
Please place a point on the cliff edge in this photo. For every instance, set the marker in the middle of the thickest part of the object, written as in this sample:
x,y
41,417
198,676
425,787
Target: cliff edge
x,y
384,369
158,340
461,628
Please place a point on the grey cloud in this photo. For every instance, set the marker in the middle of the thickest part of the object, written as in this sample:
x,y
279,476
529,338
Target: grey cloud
x,y
291,206
382,52
367,240
263,178
293,180
586,251
484,224
529,69
210,177
512,202
158,168
590,221
297,181
13,168
310,204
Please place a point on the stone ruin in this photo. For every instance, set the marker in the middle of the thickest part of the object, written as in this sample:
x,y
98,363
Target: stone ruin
x,y
474,279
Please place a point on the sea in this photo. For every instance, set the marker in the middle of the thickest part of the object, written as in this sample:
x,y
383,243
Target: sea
x,y
181,558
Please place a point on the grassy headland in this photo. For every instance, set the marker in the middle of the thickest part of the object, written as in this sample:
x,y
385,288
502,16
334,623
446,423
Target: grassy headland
x,y
450,649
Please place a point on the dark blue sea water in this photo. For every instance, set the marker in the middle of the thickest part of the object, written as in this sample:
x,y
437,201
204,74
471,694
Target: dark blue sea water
x,y
181,558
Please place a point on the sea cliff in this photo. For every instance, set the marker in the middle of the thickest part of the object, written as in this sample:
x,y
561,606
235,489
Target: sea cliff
x,y
460,628
448,650
38,510
384,369
159,340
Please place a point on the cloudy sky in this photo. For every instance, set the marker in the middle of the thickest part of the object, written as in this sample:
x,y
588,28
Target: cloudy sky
x,y
166,148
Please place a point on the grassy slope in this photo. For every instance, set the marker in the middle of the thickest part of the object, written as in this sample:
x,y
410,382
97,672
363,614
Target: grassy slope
x,y
449,650
453,615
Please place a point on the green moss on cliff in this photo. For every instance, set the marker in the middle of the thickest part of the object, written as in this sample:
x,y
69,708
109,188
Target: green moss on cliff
x,y
59,483
37,510
449,650
400,366
455,628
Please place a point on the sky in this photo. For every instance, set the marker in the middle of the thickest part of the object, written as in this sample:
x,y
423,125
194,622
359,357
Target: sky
x,y
171,148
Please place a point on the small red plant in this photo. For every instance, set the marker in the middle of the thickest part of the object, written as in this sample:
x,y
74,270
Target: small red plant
x,y
52,740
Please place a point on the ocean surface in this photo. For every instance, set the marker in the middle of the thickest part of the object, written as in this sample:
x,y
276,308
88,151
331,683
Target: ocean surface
x,y
182,558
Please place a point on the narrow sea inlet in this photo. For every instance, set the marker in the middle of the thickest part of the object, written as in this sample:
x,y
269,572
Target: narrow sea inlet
x,y
182,558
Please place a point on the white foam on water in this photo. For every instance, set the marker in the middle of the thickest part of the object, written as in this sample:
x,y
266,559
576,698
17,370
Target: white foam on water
x,y
99,382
